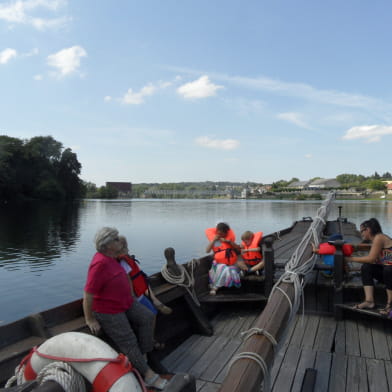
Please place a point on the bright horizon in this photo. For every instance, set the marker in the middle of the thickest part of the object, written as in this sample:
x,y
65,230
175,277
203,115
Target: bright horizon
x,y
154,92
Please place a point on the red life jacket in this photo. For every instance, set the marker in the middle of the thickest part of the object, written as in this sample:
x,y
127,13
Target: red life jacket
x,y
253,258
224,253
328,249
138,277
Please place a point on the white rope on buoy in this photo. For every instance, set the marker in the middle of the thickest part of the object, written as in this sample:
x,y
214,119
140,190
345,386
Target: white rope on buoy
x,y
63,374
185,279
60,372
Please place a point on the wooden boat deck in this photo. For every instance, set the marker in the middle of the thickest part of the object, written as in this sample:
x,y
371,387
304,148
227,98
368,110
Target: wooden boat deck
x,y
348,355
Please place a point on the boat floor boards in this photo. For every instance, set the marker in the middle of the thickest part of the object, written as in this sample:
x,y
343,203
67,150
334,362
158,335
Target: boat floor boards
x,y
347,355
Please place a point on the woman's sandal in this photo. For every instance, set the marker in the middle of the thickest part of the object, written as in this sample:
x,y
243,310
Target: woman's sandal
x,y
164,309
386,311
156,382
366,305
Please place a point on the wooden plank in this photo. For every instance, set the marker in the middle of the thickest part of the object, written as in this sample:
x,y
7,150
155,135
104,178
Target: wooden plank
x,y
380,341
199,385
229,325
352,338
176,356
221,322
194,354
356,374
277,364
208,357
306,360
212,372
311,331
287,371
338,376
290,331
340,338
244,323
365,339
388,371
323,366
297,336
210,387
377,377
325,334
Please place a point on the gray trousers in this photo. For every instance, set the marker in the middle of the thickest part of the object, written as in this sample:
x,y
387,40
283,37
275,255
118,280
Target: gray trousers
x,y
132,333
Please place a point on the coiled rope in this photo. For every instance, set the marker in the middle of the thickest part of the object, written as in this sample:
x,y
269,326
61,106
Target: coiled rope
x,y
60,372
184,279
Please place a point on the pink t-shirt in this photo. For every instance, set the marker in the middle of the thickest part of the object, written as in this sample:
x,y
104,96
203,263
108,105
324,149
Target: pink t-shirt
x,y
109,284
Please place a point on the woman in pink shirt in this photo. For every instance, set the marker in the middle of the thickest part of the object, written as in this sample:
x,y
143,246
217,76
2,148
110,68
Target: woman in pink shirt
x,y
108,304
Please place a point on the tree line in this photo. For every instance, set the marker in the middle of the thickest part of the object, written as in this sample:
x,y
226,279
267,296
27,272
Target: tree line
x,y
41,168
38,168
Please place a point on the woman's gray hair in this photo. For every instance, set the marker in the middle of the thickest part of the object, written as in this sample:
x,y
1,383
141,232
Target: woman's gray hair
x,y
124,244
105,236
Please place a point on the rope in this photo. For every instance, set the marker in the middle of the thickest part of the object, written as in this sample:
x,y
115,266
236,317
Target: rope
x,y
60,372
260,361
260,331
185,279
63,374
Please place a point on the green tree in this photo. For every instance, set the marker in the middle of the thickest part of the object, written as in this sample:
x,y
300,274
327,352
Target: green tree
x,y
68,174
11,167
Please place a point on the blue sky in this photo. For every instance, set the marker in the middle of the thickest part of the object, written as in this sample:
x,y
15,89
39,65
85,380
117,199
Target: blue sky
x,y
170,91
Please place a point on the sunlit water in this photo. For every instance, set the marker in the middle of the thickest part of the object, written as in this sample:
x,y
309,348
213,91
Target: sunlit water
x,y
45,248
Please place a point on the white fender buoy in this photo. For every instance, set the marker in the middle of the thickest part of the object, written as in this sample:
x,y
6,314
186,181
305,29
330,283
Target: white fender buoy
x,y
77,345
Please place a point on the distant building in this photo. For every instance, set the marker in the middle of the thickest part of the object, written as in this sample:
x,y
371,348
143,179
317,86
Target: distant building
x,y
299,184
389,189
123,188
323,183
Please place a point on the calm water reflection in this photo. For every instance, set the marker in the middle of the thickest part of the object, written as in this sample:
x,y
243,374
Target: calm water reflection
x,y
45,248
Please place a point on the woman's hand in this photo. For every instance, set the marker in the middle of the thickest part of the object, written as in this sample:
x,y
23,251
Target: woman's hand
x,y
94,326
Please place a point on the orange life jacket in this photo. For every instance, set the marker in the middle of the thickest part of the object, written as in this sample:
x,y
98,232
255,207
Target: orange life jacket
x,y
138,277
253,258
329,249
224,253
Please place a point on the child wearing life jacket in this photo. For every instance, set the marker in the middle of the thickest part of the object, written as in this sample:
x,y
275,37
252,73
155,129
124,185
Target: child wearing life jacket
x,y
252,258
224,271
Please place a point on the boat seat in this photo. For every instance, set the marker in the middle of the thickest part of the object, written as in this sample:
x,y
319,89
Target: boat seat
x,y
232,297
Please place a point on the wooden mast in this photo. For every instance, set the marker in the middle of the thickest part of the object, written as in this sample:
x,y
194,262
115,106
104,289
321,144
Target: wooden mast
x,y
246,375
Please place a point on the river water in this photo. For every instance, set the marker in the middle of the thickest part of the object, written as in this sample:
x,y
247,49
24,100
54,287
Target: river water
x,y
45,248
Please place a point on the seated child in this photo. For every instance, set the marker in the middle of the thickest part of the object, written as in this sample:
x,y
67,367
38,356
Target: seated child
x,y
252,257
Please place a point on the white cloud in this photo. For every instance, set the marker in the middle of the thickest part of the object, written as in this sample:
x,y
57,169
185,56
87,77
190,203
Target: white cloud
x,y
6,55
67,61
200,88
22,12
371,133
308,156
223,144
108,98
136,98
295,118
38,77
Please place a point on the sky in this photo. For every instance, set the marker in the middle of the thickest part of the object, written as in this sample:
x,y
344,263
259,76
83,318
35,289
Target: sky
x,y
206,90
